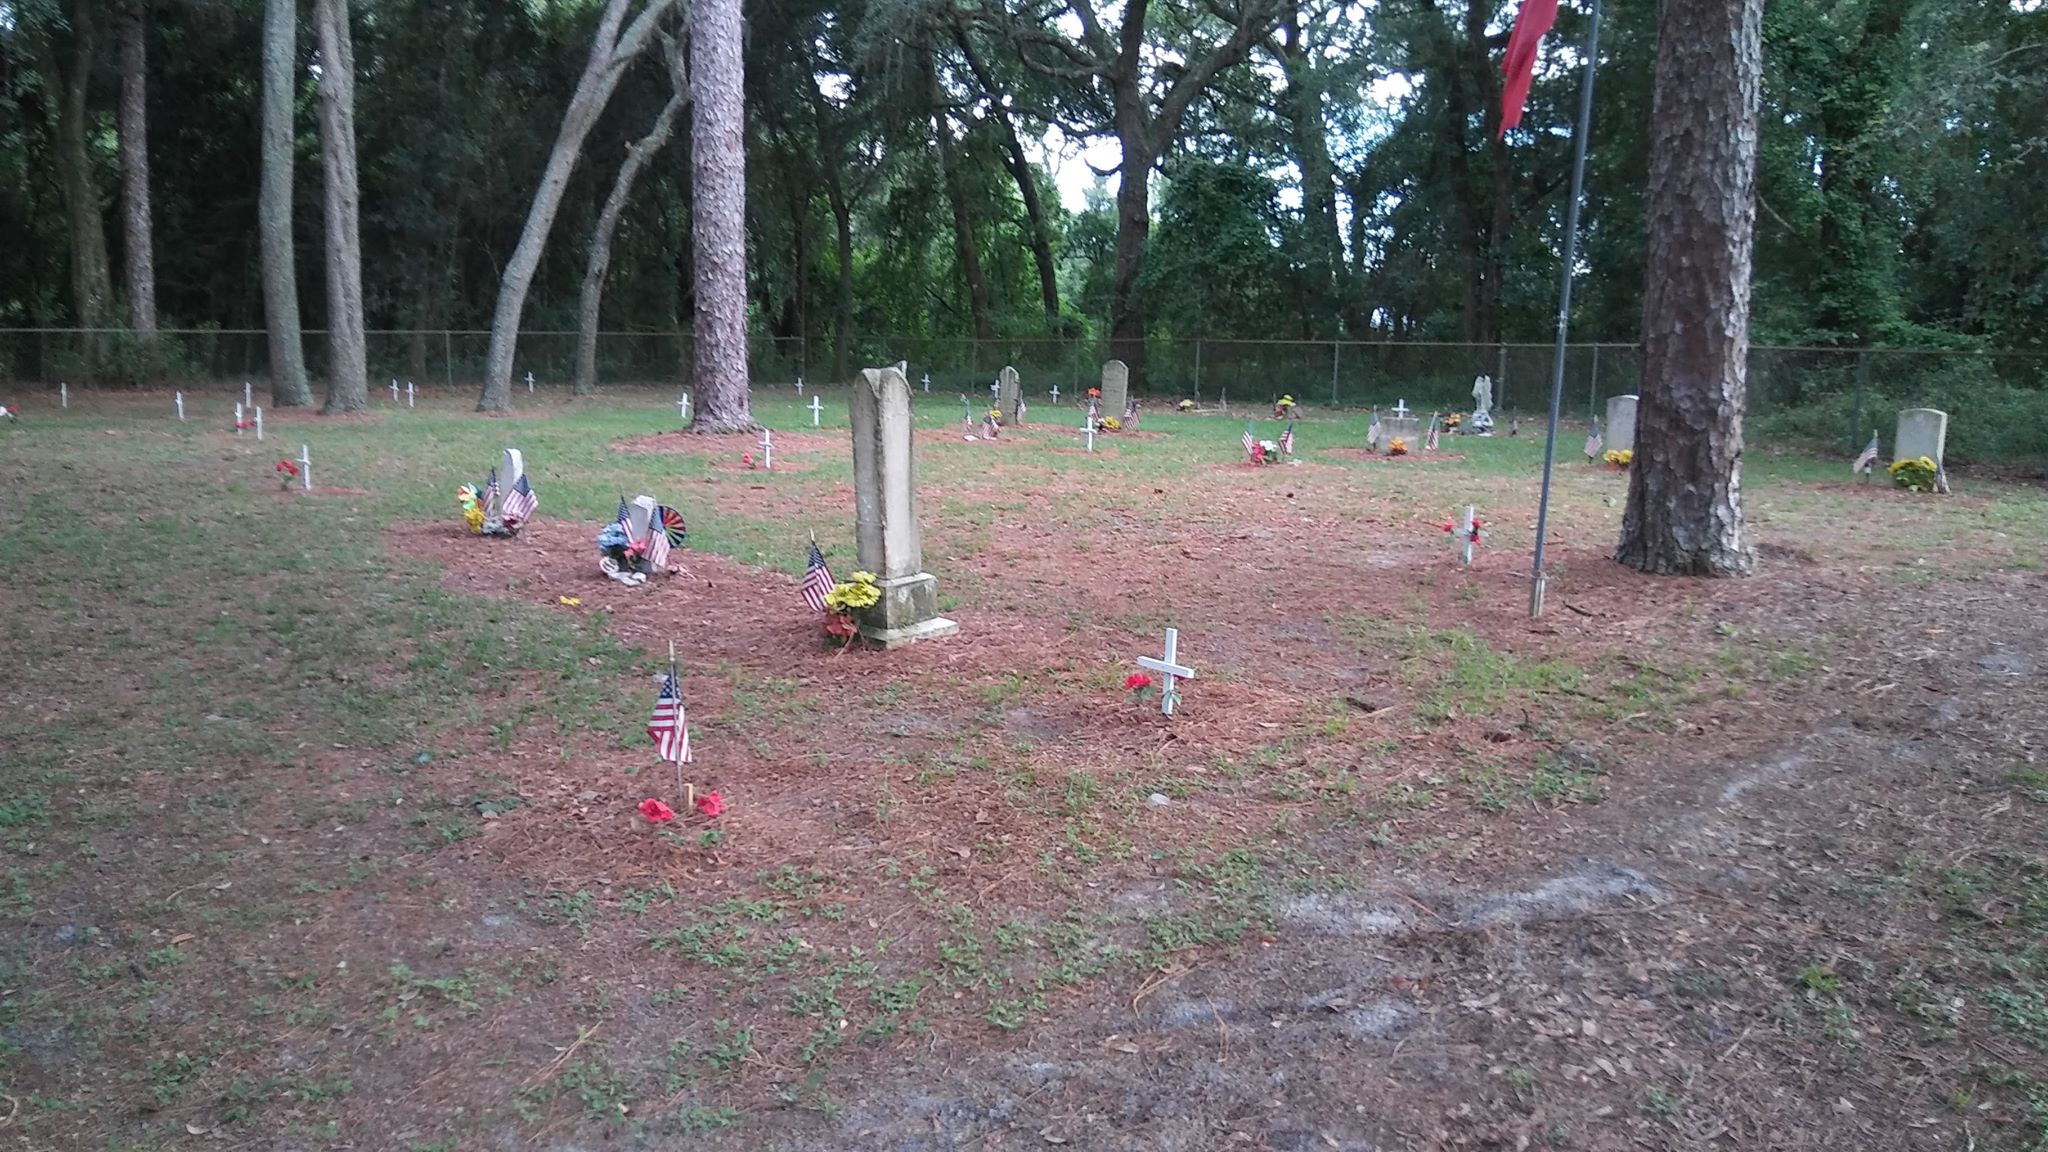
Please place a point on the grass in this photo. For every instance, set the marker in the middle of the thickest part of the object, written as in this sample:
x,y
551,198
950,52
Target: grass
x,y
272,729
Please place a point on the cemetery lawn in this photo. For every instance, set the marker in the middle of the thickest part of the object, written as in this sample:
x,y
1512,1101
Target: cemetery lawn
x,y
318,830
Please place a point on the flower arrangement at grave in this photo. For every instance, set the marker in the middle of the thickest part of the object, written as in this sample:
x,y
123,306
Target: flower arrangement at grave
x,y
1620,458
1397,447
1453,421
747,459
1283,407
1111,424
656,812
995,416
1914,473
1095,393
472,507
856,592
1140,686
1265,452
1475,534
286,473
1187,405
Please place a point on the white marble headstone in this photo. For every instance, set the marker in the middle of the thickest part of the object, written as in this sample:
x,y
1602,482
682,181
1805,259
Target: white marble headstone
x,y
511,466
1621,424
640,514
1116,387
1920,432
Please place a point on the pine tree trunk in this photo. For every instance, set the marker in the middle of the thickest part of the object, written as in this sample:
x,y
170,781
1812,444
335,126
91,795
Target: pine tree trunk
x,y
92,288
610,52
591,302
718,184
842,303
288,388
348,361
134,136
1684,512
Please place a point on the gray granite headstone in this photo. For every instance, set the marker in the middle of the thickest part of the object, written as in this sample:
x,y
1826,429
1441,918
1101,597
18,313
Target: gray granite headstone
x,y
885,514
1920,432
1408,429
1116,388
1008,391
1621,424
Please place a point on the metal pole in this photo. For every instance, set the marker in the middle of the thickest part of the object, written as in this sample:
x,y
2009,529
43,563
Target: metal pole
x,y
1564,300
1593,389
1500,380
1862,377
1336,352
1198,371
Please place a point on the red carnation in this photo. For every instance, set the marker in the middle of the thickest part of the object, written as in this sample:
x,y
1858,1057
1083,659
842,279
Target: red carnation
x,y
1137,680
287,467
711,804
656,812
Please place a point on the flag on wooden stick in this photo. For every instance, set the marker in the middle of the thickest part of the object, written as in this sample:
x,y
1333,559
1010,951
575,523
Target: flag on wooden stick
x,y
1251,444
1868,458
669,725
817,579
1593,442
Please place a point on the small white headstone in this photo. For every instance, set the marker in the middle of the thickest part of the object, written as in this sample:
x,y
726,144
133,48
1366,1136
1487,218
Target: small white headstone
x,y
259,424
63,394
511,466
239,419
1621,424
640,514
1170,670
1921,432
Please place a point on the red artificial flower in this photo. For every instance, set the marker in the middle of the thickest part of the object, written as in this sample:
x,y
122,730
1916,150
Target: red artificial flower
x,y
1137,680
1258,453
747,458
656,812
711,804
287,467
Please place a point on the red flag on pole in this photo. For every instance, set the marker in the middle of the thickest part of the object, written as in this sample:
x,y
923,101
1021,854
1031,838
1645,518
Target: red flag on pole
x,y
1518,67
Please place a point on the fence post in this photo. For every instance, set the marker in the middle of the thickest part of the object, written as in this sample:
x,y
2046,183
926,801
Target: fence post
x,y
1198,370
1336,352
1862,377
448,358
1500,379
1593,389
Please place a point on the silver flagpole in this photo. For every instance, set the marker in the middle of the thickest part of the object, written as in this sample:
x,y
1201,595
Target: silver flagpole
x,y
1564,300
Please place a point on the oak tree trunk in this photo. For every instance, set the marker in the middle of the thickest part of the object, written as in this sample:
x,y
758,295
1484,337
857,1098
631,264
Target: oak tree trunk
x,y
1133,231
133,129
718,233
1684,512
288,387
1014,158
965,249
348,367
64,93
590,303
610,52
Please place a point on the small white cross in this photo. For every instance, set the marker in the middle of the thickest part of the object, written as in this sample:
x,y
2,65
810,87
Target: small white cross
x,y
529,381
1088,426
927,381
683,408
394,389
799,385
306,468
179,399
248,398
817,406
238,419
1401,409
1465,537
408,393
767,450
1169,670
63,394
1223,399
259,423
1055,394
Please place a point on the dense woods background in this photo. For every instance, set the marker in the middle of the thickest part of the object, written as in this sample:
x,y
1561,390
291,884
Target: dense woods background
x,y
1318,171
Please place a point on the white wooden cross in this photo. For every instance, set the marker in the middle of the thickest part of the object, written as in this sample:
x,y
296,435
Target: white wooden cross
x,y
683,408
178,398
248,398
408,393
394,389
259,424
238,419
1223,399
1055,395
817,406
306,467
927,381
529,380
1088,426
1401,410
1169,670
767,450
1465,537
799,385
63,394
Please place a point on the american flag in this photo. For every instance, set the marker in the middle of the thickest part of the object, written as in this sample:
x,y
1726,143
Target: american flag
x,y
1372,434
669,726
520,505
1867,459
657,538
625,518
1593,442
817,580
491,490
1430,444
1287,440
1251,443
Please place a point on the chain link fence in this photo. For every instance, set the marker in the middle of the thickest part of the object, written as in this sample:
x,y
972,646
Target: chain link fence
x,y
1819,398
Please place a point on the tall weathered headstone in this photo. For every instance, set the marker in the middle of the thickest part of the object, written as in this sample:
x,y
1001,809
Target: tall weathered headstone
x,y
885,514
1008,392
1621,424
1116,388
1920,432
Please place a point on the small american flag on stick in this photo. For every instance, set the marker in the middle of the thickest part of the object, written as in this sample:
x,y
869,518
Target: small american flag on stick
x,y
1287,440
669,726
1251,442
521,503
817,579
1868,458
1593,442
